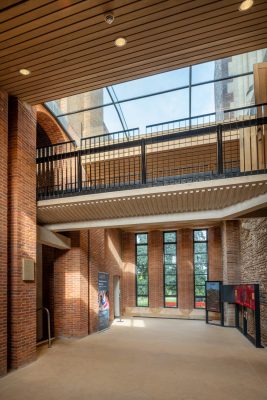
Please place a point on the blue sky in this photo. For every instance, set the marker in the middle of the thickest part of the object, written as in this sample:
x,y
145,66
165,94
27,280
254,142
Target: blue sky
x,y
169,106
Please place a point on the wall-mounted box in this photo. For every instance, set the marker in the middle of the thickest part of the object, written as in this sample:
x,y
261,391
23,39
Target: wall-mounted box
x,y
27,269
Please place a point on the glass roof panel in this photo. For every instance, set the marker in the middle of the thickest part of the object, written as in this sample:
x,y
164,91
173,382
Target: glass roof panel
x,y
230,66
152,84
154,109
136,104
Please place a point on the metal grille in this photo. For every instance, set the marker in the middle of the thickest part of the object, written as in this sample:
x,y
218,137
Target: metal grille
x,y
180,151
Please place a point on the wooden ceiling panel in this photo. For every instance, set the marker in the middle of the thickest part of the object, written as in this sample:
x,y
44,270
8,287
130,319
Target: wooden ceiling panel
x,y
69,48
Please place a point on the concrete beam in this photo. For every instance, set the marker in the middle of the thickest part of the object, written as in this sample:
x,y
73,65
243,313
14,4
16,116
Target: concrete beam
x,y
231,212
52,239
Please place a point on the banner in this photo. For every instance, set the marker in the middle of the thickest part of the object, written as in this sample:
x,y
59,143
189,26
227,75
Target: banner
x,y
103,301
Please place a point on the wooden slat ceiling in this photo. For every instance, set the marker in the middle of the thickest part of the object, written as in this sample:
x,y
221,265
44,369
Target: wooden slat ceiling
x,y
68,47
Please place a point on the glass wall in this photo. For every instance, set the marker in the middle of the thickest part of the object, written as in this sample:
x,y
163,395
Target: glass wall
x,y
200,239
141,244
205,88
170,269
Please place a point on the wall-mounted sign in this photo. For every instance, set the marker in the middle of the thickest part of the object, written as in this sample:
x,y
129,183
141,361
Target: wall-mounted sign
x,y
103,301
213,296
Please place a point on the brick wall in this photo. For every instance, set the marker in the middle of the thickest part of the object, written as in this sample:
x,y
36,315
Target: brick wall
x,y
71,279
185,267
155,268
3,229
231,262
22,232
71,287
215,254
49,130
253,265
128,259
105,256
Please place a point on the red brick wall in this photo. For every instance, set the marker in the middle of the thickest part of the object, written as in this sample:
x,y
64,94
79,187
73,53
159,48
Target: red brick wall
x,y
128,258
3,229
215,254
105,256
253,265
50,130
185,269
231,262
155,268
75,282
22,232
185,266
71,287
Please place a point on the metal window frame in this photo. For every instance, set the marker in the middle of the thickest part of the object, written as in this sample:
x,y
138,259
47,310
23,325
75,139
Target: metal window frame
x,y
176,275
136,291
194,242
189,86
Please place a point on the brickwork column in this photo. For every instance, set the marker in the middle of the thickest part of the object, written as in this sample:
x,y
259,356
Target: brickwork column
x,y
185,269
22,232
215,254
3,229
231,261
155,269
128,258
97,263
71,287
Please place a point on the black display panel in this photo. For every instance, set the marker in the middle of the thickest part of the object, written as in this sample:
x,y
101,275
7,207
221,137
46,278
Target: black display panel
x,y
213,296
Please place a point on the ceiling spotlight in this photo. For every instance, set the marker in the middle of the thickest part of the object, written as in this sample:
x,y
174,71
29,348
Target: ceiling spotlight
x,y
120,42
109,18
24,71
246,5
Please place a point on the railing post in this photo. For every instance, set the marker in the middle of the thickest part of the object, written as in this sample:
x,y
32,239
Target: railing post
x,y
219,150
143,161
79,168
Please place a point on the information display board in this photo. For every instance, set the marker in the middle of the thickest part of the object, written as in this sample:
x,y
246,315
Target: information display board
x,y
103,301
213,296
245,296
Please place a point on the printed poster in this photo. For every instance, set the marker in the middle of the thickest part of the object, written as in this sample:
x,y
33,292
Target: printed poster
x,y
103,301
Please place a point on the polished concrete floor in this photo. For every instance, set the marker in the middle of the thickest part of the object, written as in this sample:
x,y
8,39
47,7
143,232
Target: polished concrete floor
x,y
146,359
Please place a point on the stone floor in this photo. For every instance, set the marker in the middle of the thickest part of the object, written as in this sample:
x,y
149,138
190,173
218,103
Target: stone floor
x,y
145,359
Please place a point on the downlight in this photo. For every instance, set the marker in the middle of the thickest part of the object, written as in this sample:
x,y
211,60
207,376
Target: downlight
x,y
120,42
24,71
246,5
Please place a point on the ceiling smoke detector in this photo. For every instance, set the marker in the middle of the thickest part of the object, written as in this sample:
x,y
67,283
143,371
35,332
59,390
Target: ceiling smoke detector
x,y
109,18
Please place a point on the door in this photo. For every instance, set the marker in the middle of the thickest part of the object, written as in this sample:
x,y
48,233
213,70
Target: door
x,y
116,288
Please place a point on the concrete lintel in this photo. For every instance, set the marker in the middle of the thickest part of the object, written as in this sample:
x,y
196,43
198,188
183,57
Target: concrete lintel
x,y
230,212
52,239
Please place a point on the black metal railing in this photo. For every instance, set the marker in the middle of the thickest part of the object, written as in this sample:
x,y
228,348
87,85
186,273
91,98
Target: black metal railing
x,y
211,146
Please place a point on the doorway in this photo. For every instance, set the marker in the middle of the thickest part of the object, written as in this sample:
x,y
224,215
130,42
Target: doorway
x,y
116,294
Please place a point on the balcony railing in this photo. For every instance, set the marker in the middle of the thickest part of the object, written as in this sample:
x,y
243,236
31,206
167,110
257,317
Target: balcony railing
x,y
202,148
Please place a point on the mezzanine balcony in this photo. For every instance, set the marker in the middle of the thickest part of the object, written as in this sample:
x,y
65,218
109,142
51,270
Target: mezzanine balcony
x,y
208,147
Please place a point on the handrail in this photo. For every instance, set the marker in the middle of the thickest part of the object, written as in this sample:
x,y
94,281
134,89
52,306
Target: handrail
x,y
48,324
155,139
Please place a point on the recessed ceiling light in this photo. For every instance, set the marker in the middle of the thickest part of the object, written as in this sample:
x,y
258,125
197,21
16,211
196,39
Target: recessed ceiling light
x,y
120,42
246,5
24,71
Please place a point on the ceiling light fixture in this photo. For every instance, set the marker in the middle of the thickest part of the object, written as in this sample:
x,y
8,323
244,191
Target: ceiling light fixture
x,y
246,5
120,42
24,71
